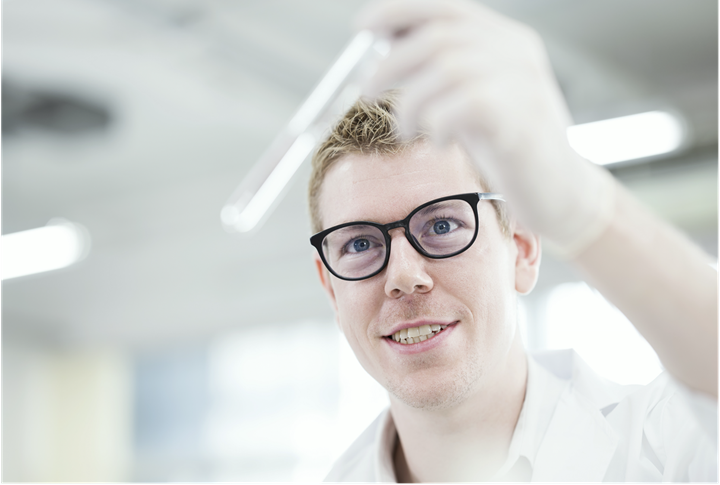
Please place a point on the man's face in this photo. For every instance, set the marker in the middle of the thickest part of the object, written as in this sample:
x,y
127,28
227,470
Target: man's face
x,y
473,293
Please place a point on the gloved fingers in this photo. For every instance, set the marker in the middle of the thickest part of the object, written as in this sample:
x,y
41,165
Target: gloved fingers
x,y
455,48
433,81
467,109
414,52
447,114
393,16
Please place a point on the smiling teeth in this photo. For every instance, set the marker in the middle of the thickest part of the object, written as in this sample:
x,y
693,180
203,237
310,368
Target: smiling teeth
x,y
414,335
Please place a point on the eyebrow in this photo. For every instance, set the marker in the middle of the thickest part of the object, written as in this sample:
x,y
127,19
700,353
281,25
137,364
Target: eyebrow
x,y
436,207
431,209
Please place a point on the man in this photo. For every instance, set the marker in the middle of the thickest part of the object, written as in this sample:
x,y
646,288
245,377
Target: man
x,y
422,259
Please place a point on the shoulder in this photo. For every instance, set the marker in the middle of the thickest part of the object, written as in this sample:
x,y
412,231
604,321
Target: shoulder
x,y
663,399
357,464
660,431
671,429
568,366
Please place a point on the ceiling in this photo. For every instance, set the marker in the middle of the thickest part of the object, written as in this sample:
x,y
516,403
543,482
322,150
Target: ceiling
x,y
138,118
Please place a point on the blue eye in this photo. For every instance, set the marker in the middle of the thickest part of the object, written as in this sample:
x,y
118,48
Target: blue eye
x,y
441,227
361,245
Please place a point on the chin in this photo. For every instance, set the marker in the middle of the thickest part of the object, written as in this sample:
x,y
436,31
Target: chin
x,y
435,392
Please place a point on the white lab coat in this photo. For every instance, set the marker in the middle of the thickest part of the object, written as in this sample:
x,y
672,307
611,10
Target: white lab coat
x,y
577,426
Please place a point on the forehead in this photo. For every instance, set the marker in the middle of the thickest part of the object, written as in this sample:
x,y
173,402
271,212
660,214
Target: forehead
x,y
385,188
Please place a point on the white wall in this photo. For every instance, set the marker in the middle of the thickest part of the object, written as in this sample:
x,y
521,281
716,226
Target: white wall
x,y
66,415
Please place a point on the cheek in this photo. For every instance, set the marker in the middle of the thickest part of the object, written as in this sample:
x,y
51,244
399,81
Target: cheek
x,y
356,307
485,279
486,265
351,304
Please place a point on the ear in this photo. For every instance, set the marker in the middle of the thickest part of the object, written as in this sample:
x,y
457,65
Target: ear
x,y
324,275
527,263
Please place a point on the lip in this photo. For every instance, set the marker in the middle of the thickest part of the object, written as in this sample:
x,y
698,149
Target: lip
x,y
423,346
405,325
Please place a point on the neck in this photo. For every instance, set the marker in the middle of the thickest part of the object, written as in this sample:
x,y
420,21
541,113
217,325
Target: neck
x,y
469,441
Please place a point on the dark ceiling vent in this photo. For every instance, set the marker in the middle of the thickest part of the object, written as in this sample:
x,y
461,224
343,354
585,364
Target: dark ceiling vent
x,y
50,111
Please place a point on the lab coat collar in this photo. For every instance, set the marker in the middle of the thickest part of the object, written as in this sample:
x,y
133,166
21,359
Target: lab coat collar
x,y
573,442
579,443
385,439
541,396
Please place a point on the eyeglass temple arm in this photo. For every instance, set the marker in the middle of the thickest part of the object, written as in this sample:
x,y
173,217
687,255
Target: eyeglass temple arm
x,y
491,196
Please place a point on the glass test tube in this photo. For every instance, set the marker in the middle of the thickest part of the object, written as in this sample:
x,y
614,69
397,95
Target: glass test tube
x,y
261,190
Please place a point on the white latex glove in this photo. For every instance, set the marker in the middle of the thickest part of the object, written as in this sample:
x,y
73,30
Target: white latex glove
x,y
485,81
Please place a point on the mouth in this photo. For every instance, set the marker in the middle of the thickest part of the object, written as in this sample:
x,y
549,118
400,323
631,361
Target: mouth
x,y
415,335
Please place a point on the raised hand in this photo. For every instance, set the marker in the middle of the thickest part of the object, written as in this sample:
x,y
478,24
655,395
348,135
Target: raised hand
x,y
473,76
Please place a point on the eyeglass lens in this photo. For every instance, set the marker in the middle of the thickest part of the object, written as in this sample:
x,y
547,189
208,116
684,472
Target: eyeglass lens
x,y
439,229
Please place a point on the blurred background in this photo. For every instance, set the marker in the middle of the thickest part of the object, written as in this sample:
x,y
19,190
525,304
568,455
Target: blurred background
x,y
175,351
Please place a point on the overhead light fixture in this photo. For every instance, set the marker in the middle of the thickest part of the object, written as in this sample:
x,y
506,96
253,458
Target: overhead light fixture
x,y
627,138
263,187
57,245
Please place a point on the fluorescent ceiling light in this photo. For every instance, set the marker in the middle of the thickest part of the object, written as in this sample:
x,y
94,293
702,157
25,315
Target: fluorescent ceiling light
x,y
626,138
57,245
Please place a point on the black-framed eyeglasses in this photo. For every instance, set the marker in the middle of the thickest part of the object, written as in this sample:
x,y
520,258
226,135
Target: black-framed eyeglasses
x,y
438,229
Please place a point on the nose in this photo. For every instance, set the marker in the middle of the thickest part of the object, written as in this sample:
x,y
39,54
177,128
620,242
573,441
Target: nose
x,y
406,272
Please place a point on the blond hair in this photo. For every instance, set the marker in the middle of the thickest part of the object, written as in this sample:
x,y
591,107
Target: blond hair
x,y
369,128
